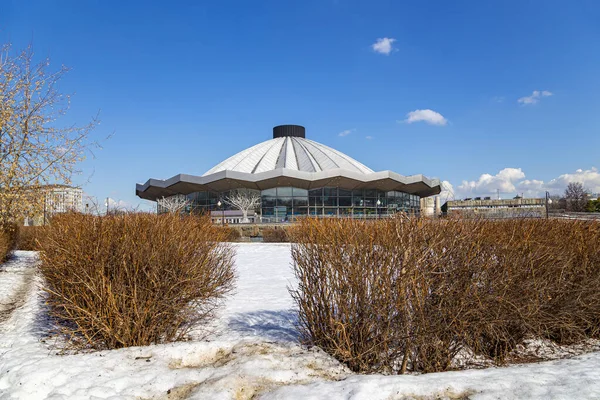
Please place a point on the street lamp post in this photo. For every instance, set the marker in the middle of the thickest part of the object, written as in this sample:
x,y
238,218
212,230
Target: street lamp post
x,y
45,198
219,204
548,201
378,204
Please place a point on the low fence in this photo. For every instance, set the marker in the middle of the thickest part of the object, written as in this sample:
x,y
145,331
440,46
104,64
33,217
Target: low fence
x,y
594,216
296,218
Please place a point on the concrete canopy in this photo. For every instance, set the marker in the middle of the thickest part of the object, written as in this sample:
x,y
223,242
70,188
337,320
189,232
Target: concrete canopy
x,y
225,180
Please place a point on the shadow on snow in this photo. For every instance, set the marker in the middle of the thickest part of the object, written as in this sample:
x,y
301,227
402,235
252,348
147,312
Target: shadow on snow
x,y
274,325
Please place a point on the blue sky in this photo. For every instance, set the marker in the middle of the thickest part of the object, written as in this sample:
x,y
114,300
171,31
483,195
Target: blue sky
x,y
429,87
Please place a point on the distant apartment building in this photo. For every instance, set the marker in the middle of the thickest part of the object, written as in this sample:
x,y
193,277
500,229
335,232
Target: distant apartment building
x,y
497,208
57,199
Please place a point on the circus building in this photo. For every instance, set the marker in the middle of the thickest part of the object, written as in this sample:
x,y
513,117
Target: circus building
x,y
295,177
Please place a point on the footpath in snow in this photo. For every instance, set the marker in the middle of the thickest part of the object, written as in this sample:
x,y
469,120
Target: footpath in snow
x,y
251,351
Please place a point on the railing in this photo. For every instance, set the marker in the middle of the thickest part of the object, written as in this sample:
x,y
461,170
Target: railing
x,y
594,216
295,218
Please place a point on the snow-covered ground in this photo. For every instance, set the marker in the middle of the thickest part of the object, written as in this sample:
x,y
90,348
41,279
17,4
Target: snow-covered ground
x,y
250,352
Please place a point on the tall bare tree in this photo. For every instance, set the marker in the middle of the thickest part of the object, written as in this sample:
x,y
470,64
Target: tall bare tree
x,y
576,197
172,204
244,200
35,149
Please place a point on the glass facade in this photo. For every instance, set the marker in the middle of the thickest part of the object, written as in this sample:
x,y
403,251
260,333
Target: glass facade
x,y
283,204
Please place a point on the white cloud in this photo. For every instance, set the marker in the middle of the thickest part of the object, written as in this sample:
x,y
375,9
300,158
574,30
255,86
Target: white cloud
x,y
531,188
535,97
368,137
428,116
383,45
511,181
504,181
447,192
346,132
116,204
589,178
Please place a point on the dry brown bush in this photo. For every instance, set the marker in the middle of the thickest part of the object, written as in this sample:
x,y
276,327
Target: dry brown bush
x,y
30,237
229,234
8,238
275,235
134,279
409,294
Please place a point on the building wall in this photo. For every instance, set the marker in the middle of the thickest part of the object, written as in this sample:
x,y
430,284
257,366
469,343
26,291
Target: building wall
x,y
502,208
431,206
57,199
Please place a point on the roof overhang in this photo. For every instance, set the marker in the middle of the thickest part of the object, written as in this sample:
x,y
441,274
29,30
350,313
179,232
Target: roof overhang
x,y
221,181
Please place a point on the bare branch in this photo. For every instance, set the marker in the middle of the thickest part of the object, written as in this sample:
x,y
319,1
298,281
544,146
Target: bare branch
x,y
34,149
173,204
245,200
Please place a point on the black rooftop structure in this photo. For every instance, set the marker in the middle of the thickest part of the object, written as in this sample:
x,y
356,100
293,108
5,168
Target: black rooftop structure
x,y
289,130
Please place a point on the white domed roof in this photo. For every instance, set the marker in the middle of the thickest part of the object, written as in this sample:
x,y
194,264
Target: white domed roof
x,y
295,153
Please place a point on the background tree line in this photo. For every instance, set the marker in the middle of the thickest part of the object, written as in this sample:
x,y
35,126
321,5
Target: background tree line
x,y
576,199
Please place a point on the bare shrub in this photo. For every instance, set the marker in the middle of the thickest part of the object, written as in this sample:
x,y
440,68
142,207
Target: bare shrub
x,y
30,237
409,294
229,234
134,279
275,235
9,233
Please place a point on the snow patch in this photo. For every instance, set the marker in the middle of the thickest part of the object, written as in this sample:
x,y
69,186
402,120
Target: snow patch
x,y
250,351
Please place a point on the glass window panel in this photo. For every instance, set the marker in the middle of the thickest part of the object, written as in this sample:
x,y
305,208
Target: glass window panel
x,y
344,192
280,212
330,192
359,211
300,192
358,202
315,192
358,193
382,202
284,201
315,201
345,211
315,210
268,201
269,192
300,210
370,193
345,201
284,191
330,200
330,211
370,202
300,201
267,211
